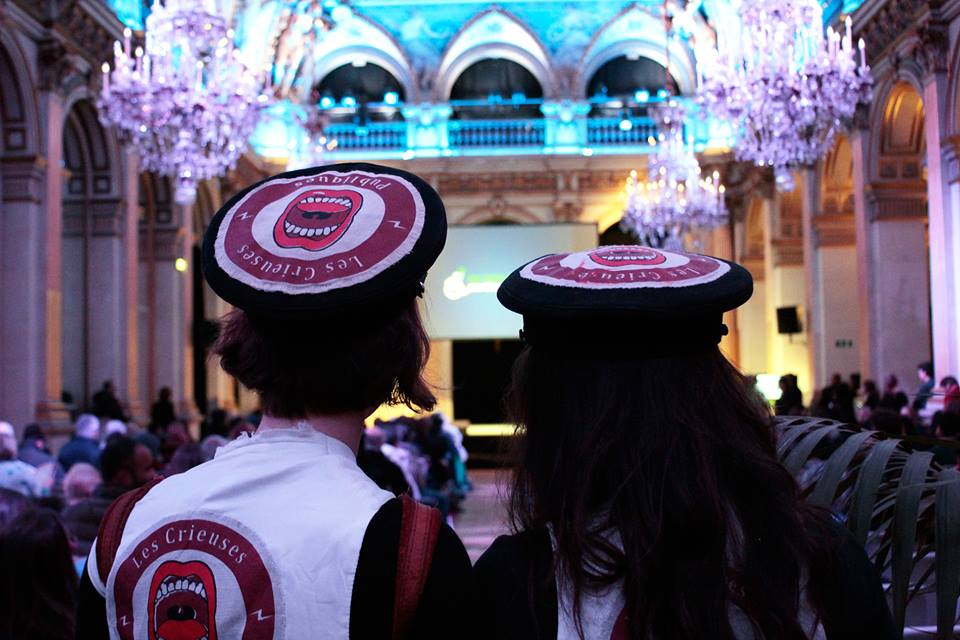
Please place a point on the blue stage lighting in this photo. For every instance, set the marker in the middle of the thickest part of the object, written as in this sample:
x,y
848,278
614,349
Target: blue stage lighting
x,y
349,101
626,124
326,102
642,96
391,97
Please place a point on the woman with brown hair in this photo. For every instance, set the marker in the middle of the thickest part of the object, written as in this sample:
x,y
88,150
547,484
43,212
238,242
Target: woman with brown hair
x,y
281,535
647,496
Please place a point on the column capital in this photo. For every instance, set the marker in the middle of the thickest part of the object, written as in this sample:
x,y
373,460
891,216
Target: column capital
x,y
896,201
60,71
932,47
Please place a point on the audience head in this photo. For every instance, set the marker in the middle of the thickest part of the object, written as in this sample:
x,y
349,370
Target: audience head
x,y
114,428
948,383
869,386
210,445
80,482
165,394
12,503
126,464
837,379
891,382
946,424
177,435
38,583
8,442
238,426
925,371
186,457
88,426
109,387
381,363
887,421
33,435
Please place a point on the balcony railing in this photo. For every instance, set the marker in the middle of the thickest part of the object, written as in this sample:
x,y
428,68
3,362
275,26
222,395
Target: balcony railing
x,y
373,136
612,131
471,134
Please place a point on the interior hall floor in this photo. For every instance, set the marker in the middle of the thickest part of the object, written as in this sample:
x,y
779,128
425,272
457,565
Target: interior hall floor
x,y
484,515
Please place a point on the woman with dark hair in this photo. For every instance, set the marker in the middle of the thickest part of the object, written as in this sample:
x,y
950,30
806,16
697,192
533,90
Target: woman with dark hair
x,y
38,581
282,535
647,497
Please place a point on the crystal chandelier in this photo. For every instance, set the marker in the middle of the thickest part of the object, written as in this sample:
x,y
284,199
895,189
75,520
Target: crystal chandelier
x,y
787,86
315,142
675,198
186,102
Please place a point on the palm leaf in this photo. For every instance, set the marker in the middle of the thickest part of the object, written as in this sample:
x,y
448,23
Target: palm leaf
x,y
896,502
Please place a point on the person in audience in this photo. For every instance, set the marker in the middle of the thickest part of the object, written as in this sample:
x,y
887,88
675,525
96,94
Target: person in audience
x,y
295,526
186,457
946,426
790,402
16,475
836,401
125,465
33,446
239,426
177,435
162,412
893,397
12,503
647,495
951,394
925,391
106,405
210,444
113,429
38,582
80,483
85,444
871,400
215,424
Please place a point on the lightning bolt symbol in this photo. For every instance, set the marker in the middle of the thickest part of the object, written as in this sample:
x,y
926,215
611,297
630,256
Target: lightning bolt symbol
x,y
124,621
244,215
396,224
260,616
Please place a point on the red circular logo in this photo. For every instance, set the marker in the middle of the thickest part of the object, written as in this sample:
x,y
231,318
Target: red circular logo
x,y
624,267
311,234
194,580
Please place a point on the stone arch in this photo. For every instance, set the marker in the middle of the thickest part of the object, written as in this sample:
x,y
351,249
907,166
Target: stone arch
x,y
635,32
836,183
19,126
346,44
898,144
494,33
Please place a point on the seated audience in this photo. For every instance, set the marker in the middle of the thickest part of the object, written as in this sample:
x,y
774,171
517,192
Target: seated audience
x,y
80,483
12,503
38,581
790,402
893,397
946,426
210,444
125,465
186,457
85,444
33,446
112,429
925,391
15,475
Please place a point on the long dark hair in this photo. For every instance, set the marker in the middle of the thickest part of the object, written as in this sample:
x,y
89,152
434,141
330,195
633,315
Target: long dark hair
x,y
674,455
38,583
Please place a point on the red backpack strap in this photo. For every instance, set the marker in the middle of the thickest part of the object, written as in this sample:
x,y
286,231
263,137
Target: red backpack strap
x,y
419,529
111,527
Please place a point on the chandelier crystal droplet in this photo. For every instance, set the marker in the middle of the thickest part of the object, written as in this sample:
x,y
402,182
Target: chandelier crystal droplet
x,y
788,86
186,101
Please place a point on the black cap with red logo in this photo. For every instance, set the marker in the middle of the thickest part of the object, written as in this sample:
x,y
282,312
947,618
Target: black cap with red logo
x,y
327,240
658,301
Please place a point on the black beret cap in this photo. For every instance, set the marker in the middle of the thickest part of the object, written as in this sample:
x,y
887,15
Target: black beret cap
x,y
335,240
651,300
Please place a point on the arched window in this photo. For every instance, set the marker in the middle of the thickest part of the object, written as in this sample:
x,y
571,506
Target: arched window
x,y
627,79
495,89
360,93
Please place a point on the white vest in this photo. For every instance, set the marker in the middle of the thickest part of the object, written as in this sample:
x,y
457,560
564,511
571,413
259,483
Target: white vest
x,y
260,543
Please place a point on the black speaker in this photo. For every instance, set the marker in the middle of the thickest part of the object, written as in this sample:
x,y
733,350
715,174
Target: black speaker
x,y
787,320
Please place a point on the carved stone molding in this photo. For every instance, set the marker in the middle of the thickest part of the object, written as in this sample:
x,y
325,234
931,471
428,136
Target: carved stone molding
x,y
888,25
787,252
167,244
834,230
892,202
60,71
105,218
933,46
23,179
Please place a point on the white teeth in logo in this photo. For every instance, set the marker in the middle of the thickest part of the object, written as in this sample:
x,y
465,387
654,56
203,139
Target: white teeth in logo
x,y
344,202
295,230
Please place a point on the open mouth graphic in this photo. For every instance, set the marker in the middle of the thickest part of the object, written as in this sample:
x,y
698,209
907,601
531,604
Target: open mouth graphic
x,y
184,602
624,257
317,219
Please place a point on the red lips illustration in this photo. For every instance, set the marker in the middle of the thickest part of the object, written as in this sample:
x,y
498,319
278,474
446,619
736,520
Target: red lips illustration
x,y
184,602
627,257
317,219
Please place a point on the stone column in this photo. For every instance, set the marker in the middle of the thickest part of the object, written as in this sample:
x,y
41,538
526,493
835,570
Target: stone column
x,y
721,246
892,273
830,266
427,128
944,227
565,125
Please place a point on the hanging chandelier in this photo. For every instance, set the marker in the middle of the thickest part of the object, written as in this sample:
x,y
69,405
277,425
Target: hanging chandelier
x,y
787,86
675,199
186,101
316,141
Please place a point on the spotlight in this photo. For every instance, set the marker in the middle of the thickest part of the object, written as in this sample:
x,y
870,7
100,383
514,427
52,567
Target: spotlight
x,y
519,96
662,93
327,102
626,124
391,97
349,101
180,264
642,96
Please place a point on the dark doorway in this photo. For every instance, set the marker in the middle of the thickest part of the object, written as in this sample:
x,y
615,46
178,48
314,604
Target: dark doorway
x,y
203,332
481,372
